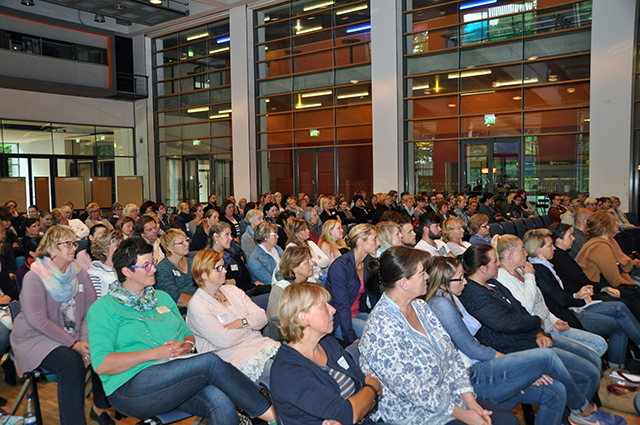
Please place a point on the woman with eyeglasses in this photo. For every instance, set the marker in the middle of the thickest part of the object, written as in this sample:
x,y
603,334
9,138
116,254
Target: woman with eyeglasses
x,y
224,320
140,346
174,271
51,330
478,227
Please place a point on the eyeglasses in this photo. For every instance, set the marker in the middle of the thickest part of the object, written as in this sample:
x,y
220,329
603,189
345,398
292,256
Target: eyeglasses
x,y
460,279
69,244
147,267
219,269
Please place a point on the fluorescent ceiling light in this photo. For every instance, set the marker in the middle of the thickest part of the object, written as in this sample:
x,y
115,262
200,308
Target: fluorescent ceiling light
x,y
426,86
223,40
465,74
195,37
224,49
317,93
193,110
226,111
310,105
515,82
477,92
478,3
358,28
308,30
349,96
317,6
213,117
353,9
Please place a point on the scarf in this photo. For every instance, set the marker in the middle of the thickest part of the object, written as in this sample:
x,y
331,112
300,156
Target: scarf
x,y
129,299
61,286
541,260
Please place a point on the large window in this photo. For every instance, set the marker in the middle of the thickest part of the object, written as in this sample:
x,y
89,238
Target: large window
x,y
313,89
192,96
500,88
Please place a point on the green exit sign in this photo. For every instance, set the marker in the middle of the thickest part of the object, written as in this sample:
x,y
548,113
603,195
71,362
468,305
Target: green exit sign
x,y
490,119
314,133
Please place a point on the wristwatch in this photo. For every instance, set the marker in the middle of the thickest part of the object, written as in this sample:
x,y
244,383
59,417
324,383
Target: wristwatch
x,y
245,323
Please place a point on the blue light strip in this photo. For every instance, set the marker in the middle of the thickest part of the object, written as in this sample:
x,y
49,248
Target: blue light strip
x,y
361,28
226,39
473,4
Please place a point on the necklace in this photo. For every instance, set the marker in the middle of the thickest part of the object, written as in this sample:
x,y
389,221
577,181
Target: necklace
x,y
360,265
221,300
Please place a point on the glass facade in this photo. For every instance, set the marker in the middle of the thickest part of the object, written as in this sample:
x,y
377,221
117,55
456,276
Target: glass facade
x,y
313,97
496,95
192,113
37,150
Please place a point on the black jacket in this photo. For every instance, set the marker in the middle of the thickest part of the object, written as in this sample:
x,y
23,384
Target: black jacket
x,y
362,215
557,300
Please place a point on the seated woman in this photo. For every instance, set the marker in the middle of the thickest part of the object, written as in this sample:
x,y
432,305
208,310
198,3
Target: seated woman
x,y
478,227
311,215
125,225
200,238
452,234
569,216
601,258
131,210
30,249
135,327
183,219
237,272
253,218
313,380
459,205
173,273
266,256
298,235
518,276
535,376
228,215
389,234
331,240
612,319
405,347
513,210
84,257
51,329
353,289
508,327
101,271
225,321
32,229
198,215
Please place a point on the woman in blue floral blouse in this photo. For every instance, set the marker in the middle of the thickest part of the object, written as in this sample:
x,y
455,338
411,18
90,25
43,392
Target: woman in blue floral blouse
x,y
407,349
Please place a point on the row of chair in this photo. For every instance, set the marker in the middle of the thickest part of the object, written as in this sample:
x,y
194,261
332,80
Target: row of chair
x,y
520,227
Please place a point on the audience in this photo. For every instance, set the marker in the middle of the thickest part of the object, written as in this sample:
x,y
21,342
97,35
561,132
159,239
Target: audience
x,y
266,257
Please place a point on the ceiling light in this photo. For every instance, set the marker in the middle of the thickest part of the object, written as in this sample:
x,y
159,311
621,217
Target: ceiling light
x,y
194,110
477,92
224,49
353,9
571,90
119,7
358,28
317,93
587,120
349,96
452,105
420,87
310,105
517,97
197,36
308,30
514,83
213,117
465,74
155,1
223,40
318,6
99,18
354,81
553,78
267,19
532,58
472,4
27,3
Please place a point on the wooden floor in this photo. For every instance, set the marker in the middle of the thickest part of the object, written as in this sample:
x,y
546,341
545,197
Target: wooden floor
x,y
49,405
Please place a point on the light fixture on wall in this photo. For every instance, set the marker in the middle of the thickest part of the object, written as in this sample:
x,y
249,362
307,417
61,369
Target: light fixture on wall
x,y
99,18
27,2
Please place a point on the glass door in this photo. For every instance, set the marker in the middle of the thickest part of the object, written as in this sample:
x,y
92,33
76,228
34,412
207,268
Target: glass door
x,y
490,165
315,171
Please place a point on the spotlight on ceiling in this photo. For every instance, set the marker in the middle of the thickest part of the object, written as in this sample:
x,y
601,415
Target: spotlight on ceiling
x,y
27,3
99,18
155,1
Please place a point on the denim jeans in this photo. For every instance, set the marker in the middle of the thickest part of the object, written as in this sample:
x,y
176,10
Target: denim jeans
x,y
498,417
583,372
614,319
67,364
584,338
204,385
357,323
565,341
502,379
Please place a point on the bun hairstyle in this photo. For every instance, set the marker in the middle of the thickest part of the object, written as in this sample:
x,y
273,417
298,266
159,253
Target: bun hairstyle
x,y
396,263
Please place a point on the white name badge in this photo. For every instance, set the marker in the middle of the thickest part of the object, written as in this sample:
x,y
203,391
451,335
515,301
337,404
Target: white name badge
x,y
163,309
343,362
176,273
234,268
81,288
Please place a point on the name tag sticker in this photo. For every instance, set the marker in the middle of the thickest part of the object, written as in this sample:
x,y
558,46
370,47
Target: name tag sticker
x,y
162,309
81,288
234,268
176,273
343,362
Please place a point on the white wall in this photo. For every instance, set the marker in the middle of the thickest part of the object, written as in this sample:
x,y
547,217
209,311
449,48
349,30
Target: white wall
x,y
612,51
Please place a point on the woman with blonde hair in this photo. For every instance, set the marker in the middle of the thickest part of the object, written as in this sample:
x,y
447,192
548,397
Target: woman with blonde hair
x,y
224,320
173,274
298,234
389,234
331,240
452,234
313,379
253,218
131,210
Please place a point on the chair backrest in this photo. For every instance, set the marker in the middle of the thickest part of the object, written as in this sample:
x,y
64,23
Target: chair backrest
x,y
538,221
509,228
521,229
546,220
14,307
353,351
192,254
495,229
261,301
530,223
633,218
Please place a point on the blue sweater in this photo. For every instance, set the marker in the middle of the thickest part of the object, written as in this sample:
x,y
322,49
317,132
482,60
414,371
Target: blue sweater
x,y
304,394
262,264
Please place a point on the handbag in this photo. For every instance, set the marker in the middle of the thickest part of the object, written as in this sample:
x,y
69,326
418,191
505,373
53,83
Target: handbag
x,y
5,318
11,420
617,390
